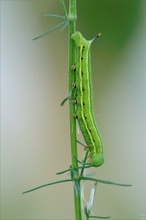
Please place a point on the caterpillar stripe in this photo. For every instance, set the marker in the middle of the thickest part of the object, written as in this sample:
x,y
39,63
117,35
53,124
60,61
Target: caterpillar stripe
x,y
84,110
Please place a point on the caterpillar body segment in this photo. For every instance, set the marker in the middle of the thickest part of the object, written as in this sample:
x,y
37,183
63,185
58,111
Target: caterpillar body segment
x,y
84,111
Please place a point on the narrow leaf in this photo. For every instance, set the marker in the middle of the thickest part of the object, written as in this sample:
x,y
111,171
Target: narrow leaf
x,y
77,159
55,16
63,8
52,29
104,181
48,184
80,143
106,217
65,25
61,172
87,212
63,101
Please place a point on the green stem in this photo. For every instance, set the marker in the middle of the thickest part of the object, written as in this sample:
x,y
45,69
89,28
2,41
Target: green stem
x,y
71,80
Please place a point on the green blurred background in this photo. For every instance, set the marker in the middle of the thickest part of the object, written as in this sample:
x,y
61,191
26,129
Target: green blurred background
x,y
35,129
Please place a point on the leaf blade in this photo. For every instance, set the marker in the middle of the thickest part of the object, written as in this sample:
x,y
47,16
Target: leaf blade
x,y
104,181
48,184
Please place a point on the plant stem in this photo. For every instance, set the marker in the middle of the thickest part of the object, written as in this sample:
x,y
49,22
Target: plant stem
x,y
71,80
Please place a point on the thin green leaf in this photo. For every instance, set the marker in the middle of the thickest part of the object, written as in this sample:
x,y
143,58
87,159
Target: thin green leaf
x,y
106,217
55,16
52,29
84,163
85,167
61,172
63,101
104,181
48,184
63,7
80,143
67,170
87,212
65,25
77,159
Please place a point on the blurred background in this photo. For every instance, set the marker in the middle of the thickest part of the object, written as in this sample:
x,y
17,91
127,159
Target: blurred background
x,y
35,129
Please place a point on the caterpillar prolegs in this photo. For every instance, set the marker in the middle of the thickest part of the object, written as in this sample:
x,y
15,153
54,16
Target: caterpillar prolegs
x,y
84,103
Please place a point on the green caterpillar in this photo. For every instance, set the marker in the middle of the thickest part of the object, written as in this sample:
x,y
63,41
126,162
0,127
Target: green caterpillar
x,y
84,110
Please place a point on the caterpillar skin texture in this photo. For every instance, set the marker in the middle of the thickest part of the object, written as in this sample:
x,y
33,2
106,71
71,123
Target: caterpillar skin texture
x,y
84,109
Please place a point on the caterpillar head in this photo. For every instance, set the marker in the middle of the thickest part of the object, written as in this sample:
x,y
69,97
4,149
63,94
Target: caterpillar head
x,y
97,160
79,39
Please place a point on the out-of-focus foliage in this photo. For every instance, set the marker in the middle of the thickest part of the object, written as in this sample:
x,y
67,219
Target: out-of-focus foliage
x,y
115,19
